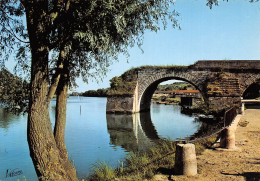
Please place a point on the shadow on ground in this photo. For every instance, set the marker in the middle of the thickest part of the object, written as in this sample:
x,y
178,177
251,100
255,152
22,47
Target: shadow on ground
x,y
249,176
166,171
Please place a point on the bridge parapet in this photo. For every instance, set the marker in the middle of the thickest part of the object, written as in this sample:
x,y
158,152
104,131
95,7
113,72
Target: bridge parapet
x,y
238,65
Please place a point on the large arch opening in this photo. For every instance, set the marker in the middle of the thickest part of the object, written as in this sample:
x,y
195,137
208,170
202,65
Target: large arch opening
x,y
170,121
251,95
171,90
253,91
163,101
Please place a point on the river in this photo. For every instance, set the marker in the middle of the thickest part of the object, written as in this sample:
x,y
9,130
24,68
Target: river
x,y
92,135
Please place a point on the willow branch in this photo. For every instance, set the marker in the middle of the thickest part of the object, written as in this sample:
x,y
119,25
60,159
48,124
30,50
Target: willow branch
x,y
12,33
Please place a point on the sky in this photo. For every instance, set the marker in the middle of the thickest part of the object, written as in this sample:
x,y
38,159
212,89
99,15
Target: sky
x,y
228,31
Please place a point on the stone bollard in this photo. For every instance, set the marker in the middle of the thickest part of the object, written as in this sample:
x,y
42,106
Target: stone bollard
x,y
228,139
185,160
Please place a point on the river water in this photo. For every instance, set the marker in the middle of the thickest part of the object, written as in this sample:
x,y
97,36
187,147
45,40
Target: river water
x,y
92,135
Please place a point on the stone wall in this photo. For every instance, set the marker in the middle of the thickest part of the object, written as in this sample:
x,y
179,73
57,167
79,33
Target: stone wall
x,y
120,104
218,103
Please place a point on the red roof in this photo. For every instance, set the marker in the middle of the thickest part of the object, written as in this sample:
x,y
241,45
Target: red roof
x,y
186,91
178,92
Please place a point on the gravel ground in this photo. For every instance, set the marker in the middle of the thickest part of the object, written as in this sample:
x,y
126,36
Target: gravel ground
x,y
231,165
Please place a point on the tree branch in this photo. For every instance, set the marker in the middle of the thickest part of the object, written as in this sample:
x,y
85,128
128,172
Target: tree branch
x,y
55,82
12,33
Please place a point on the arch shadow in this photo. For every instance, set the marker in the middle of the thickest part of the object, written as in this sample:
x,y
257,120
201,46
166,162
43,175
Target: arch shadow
x,y
252,92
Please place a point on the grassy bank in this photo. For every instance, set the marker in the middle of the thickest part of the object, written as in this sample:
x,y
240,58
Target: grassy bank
x,y
166,100
143,166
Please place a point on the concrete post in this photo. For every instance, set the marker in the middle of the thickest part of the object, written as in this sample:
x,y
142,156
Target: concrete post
x,y
243,108
185,160
228,138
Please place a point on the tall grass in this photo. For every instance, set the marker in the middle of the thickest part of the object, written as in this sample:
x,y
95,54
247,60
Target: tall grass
x,y
102,171
144,165
138,166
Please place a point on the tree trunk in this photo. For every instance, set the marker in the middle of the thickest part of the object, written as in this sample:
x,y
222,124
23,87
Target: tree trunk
x,y
45,155
43,150
60,124
61,107
48,162
60,117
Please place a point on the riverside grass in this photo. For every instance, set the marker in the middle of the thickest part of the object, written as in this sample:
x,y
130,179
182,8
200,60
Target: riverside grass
x,y
143,166
138,166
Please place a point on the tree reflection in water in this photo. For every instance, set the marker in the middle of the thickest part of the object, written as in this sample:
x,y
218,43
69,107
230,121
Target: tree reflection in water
x,y
8,118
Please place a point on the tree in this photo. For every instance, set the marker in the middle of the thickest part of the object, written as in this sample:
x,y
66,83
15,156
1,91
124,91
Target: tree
x,y
83,37
99,31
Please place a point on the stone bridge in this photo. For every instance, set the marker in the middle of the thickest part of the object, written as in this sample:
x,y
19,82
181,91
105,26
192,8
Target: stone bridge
x,y
221,83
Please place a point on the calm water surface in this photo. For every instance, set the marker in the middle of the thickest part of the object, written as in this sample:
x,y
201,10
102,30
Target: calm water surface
x,y
92,135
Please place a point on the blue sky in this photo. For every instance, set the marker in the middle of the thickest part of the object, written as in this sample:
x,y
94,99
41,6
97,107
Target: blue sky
x,y
228,31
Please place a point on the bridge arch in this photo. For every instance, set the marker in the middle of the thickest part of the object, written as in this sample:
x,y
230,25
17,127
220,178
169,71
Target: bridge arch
x,y
147,89
248,83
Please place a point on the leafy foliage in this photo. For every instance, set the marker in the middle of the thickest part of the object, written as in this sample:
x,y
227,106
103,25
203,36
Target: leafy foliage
x,y
13,33
93,32
96,32
14,92
125,84
175,86
95,93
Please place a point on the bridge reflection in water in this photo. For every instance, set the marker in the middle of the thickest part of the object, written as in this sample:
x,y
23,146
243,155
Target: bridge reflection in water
x,y
140,131
129,132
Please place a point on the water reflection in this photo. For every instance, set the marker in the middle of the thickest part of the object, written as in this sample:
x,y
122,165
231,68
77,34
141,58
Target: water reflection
x,y
7,119
148,126
171,123
140,131
93,136
126,131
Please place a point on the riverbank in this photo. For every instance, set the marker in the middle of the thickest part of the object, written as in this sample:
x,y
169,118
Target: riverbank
x,y
144,165
231,165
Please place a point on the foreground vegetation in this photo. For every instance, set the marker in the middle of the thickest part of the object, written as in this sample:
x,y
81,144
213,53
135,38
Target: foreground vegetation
x,y
159,159
140,166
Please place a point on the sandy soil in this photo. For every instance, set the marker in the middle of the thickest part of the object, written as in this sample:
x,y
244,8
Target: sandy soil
x,y
231,165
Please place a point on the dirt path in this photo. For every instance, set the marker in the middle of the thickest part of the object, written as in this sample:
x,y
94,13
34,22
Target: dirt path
x,y
227,165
